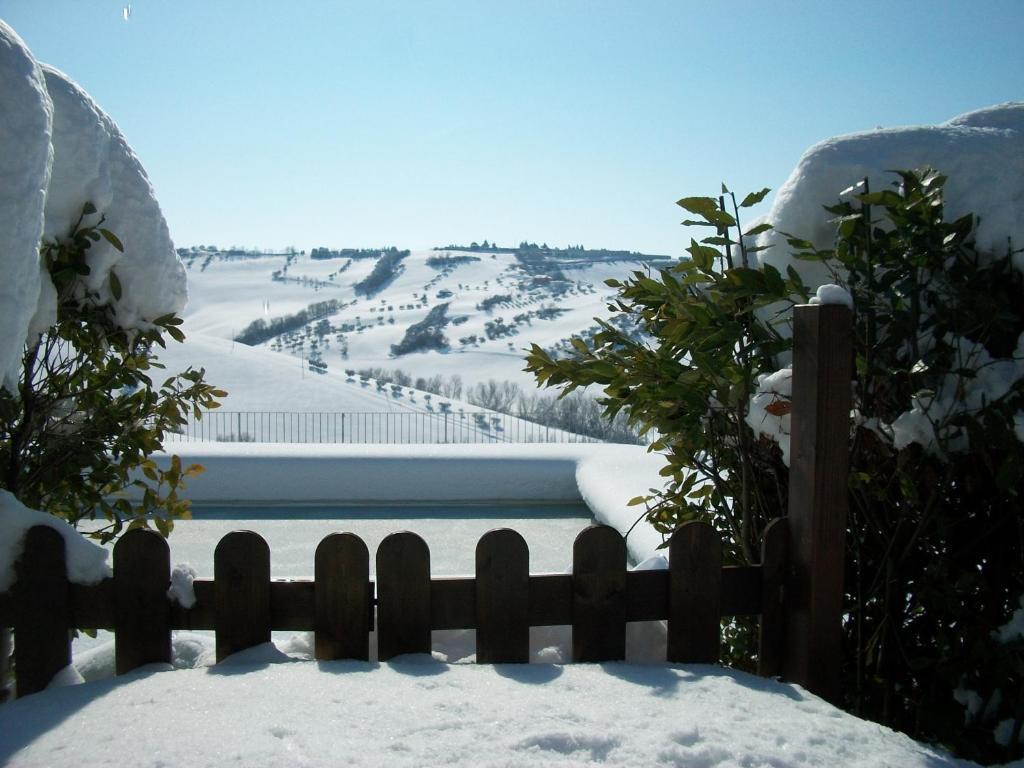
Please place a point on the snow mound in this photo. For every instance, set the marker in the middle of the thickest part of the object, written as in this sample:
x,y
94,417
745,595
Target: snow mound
x,y
58,151
981,152
86,562
93,162
25,169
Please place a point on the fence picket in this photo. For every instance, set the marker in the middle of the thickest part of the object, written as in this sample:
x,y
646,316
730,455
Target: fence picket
x,y
502,598
695,587
342,601
42,643
403,596
241,568
599,595
771,642
142,610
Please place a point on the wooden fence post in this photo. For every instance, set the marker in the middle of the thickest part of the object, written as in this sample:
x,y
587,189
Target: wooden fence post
x,y
695,594
142,610
341,598
42,616
772,637
818,496
241,574
502,598
403,596
599,595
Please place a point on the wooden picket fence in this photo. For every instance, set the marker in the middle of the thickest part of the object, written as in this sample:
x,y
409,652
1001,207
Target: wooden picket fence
x,y
342,605
796,590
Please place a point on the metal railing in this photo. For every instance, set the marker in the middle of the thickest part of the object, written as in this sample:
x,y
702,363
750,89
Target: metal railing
x,y
380,427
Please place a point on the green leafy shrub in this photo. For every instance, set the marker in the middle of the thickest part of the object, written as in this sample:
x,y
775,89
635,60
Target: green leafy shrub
x,y
936,534
87,417
691,389
935,550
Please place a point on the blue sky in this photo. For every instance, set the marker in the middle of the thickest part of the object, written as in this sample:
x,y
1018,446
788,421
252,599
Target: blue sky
x,y
422,123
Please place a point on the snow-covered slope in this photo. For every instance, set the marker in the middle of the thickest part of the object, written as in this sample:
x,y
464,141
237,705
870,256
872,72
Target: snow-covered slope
x,y
543,303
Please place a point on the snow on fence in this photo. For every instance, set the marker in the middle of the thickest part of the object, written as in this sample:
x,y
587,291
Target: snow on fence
x,y
380,427
796,590
342,604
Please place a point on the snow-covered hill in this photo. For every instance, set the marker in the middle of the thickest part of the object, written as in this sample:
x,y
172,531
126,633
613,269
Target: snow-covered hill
x,y
444,313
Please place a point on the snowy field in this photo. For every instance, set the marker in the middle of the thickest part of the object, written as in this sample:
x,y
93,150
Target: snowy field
x,y
275,397
604,477
226,293
261,710
451,532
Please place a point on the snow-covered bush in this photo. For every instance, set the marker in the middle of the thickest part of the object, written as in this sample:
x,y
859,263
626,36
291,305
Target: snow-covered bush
x,y
936,536
79,311
86,416
936,555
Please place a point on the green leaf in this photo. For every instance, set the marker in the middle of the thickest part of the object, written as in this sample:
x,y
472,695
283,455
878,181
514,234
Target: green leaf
x,y
754,198
111,238
703,256
579,345
716,240
706,207
758,230
88,209
115,285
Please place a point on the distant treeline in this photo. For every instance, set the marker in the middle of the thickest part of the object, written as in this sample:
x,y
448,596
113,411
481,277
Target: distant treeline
x,y
234,250
490,301
428,333
484,247
259,331
354,253
569,253
577,412
444,260
384,271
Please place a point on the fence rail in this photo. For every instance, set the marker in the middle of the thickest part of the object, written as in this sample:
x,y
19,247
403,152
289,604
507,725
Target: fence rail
x,y
381,427
342,605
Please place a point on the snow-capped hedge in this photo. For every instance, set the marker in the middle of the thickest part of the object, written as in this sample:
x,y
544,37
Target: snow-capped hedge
x,y
58,151
982,153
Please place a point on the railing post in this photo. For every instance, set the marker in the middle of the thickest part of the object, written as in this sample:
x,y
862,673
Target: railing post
x,y
818,497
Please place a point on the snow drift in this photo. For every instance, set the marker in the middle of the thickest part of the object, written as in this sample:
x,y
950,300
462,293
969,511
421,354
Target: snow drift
x,y
58,151
25,158
981,152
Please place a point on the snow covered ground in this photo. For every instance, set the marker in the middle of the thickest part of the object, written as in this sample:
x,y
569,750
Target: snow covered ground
x,y
275,397
227,293
604,477
261,709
